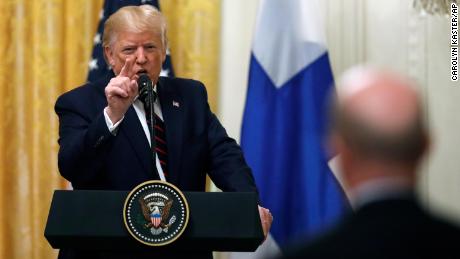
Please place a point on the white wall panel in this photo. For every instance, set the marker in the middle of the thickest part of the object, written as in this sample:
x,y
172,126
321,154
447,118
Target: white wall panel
x,y
238,20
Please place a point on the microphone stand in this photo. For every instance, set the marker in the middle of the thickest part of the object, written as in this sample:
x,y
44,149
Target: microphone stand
x,y
146,88
151,96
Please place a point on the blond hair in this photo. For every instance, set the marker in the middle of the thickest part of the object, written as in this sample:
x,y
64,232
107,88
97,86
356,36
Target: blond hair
x,y
134,19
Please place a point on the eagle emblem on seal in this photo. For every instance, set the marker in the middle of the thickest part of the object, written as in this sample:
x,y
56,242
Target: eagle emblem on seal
x,y
156,208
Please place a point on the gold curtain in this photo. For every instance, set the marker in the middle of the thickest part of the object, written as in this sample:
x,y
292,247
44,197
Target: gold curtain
x,y
44,48
194,39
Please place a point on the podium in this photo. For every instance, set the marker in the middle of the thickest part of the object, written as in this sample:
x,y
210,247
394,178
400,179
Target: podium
x,y
93,220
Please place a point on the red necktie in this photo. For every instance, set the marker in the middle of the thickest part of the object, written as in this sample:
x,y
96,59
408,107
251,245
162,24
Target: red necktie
x,y
161,148
158,143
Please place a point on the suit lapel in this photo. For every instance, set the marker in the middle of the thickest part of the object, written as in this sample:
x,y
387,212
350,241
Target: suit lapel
x,y
132,129
173,113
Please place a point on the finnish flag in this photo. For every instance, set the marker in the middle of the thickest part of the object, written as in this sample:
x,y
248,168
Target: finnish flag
x,y
285,121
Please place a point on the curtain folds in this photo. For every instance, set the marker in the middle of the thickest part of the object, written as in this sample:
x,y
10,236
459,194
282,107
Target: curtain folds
x,y
194,40
44,50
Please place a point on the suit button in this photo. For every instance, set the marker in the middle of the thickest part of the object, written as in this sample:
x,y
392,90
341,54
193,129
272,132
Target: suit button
x,y
99,141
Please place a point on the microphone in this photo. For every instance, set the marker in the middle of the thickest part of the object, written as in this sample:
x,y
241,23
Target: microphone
x,y
144,83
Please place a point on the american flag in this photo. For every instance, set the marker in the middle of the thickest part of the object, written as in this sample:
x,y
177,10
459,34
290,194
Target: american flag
x,y
97,66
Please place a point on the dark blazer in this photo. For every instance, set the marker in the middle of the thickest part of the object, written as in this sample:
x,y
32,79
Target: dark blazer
x,y
397,228
91,157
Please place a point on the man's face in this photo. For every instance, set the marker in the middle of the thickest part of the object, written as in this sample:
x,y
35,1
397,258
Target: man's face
x,y
145,48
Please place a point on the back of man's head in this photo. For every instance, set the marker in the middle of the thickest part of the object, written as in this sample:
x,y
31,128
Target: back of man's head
x,y
378,116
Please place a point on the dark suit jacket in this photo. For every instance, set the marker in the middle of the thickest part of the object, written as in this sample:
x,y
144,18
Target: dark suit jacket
x,y
90,157
386,229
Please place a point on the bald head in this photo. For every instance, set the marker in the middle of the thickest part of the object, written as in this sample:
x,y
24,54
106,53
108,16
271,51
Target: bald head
x,y
379,116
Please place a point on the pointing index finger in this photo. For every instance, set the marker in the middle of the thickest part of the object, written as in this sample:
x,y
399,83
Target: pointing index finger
x,y
127,69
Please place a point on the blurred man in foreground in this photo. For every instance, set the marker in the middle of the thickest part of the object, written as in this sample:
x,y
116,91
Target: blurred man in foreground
x,y
380,134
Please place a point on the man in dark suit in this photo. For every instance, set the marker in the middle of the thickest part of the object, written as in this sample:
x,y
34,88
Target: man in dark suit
x,y
380,134
104,137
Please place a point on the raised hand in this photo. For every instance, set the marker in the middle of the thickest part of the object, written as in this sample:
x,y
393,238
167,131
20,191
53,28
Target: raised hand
x,y
121,91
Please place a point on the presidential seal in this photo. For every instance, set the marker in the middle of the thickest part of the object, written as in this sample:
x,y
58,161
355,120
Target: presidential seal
x,y
156,213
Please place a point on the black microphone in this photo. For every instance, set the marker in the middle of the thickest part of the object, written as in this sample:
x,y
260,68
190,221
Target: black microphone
x,y
144,83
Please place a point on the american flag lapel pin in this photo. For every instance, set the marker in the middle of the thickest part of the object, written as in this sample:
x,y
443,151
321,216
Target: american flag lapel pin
x,y
175,104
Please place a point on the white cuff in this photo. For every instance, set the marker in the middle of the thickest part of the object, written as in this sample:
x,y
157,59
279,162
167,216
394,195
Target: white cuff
x,y
112,127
